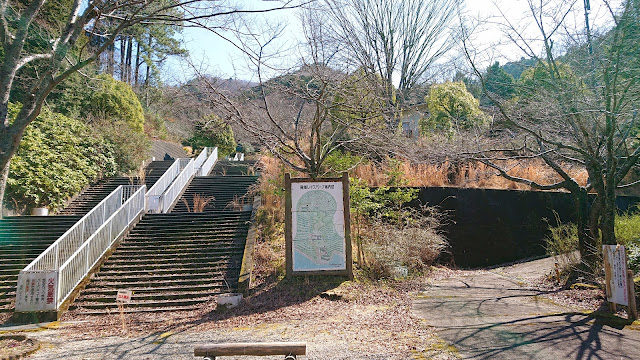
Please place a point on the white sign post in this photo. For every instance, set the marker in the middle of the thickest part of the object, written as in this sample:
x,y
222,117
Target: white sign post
x,y
37,291
618,279
123,297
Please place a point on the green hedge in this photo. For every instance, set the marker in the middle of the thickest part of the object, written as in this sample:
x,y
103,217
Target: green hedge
x,y
57,157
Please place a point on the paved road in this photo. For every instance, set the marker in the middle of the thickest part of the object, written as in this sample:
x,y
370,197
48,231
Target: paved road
x,y
493,315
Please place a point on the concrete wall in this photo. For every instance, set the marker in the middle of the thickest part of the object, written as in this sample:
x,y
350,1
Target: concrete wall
x,y
489,227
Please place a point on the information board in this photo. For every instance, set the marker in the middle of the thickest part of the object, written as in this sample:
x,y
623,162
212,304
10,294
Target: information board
x,y
36,291
318,238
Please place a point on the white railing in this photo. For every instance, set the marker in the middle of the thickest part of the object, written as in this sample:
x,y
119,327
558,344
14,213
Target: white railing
x,y
78,249
175,189
76,268
200,160
155,192
209,163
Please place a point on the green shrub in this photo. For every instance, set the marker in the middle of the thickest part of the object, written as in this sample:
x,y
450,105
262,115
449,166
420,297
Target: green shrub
x,y
451,108
213,131
628,234
415,243
154,126
115,100
388,233
57,157
338,162
562,241
130,148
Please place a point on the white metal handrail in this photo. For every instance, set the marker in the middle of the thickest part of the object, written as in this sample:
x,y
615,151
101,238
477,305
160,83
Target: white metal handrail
x,y
209,163
85,242
200,160
78,265
174,190
73,238
154,193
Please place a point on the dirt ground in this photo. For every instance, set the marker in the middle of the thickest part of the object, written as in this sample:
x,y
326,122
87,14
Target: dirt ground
x,y
338,319
348,320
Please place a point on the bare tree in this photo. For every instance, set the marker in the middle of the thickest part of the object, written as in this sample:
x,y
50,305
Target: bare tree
x,y
578,107
394,39
65,52
304,114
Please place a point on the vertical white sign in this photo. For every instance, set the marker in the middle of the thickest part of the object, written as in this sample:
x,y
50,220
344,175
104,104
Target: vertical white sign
x,y
37,291
615,270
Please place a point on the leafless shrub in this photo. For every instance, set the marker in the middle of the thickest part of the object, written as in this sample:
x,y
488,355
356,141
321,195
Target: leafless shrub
x,y
139,177
415,243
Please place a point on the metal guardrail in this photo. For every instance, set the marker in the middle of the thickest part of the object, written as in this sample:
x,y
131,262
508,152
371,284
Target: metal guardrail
x,y
175,189
161,185
89,254
61,267
200,160
210,162
164,192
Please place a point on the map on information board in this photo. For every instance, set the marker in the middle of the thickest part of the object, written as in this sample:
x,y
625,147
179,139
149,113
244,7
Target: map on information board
x,y
318,226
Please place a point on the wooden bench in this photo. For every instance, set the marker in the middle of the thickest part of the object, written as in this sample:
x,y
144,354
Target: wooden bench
x,y
289,349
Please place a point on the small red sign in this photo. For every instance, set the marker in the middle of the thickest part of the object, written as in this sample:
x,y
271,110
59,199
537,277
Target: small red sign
x,y
124,296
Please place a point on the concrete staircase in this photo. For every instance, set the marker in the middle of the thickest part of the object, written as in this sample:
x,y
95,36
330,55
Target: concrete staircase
x,y
91,196
22,239
217,193
179,260
229,168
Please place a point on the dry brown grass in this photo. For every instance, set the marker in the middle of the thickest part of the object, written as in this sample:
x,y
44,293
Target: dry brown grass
x,y
200,202
270,187
138,177
237,204
467,175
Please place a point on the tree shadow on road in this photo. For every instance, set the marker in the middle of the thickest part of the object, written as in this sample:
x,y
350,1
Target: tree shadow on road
x,y
492,331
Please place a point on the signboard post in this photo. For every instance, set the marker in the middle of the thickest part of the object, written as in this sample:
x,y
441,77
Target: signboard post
x,y
123,297
619,284
317,227
37,291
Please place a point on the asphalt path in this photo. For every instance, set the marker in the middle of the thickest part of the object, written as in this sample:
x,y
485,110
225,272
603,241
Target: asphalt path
x,y
495,315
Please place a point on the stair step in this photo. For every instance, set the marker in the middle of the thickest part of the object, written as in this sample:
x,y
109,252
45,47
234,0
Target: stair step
x,y
203,276
98,282
207,243
128,310
161,262
186,271
176,255
148,303
107,291
146,296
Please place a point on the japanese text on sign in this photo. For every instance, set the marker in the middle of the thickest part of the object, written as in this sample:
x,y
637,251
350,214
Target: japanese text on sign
x,y
124,296
36,291
615,269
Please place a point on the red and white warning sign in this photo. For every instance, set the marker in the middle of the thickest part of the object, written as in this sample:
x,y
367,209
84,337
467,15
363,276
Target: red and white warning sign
x,y
124,296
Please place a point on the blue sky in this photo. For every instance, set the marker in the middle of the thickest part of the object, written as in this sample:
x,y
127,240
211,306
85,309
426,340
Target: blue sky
x,y
218,57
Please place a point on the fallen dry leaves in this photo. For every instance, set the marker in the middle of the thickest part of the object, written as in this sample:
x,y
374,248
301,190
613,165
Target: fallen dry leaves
x,y
368,318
